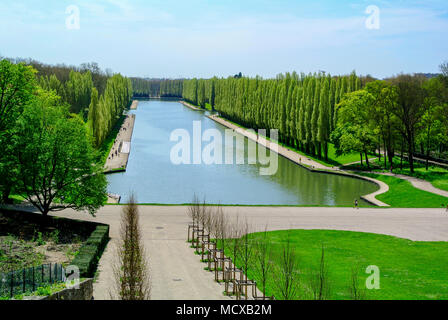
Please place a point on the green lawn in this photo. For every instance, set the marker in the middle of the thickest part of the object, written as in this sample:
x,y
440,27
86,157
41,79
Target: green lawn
x,y
408,269
436,175
402,194
333,159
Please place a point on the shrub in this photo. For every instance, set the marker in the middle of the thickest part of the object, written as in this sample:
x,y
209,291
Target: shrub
x,y
90,253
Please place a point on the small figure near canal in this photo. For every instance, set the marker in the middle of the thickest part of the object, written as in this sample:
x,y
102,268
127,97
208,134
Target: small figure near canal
x,y
356,204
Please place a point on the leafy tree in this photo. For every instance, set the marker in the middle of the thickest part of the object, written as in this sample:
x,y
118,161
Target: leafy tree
x,y
56,160
324,121
384,117
433,123
410,99
354,130
17,85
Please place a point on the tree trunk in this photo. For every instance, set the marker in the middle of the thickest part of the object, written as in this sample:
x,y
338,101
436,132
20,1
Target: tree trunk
x,y
5,195
411,155
402,151
428,148
367,160
326,150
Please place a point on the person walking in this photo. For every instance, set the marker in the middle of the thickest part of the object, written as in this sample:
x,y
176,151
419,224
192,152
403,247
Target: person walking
x,y
356,204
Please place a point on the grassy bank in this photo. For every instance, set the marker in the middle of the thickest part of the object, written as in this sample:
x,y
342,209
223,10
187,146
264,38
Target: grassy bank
x,y
408,269
437,176
402,194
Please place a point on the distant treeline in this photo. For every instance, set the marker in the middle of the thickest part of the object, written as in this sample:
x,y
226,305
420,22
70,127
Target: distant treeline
x,y
157,88
301,107
100,97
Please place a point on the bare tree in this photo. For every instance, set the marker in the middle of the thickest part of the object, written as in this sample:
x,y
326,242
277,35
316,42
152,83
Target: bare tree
x,y
263,256
222,228
319,280
132,280
193,213
246,252
355,289
234,246
444,68
235,241
287,272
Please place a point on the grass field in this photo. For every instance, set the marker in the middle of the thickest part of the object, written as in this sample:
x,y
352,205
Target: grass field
x,y
333,159
408,269
402,194
436,175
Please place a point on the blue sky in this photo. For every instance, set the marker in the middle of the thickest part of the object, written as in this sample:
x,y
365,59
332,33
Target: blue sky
x,y
203,38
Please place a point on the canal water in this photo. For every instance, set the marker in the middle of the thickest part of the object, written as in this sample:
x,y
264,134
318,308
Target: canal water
x,y
153,177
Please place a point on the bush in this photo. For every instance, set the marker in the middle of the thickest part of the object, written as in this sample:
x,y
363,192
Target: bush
x,y
90,253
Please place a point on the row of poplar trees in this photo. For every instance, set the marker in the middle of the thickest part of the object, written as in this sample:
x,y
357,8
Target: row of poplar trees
x,y
157,87
101,110
301,107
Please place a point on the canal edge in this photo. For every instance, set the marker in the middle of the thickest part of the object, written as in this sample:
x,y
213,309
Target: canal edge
x,y
370,198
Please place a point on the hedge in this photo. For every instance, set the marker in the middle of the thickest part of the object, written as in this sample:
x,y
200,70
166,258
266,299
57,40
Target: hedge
x,y
90,253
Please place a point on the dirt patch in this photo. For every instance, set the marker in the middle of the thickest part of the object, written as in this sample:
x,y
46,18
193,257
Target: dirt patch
x,y
16,254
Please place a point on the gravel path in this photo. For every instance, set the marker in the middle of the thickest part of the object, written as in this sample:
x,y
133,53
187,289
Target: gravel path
x,y
177,273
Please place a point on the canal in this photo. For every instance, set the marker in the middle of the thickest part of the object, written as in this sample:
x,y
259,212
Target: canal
x,y
153,177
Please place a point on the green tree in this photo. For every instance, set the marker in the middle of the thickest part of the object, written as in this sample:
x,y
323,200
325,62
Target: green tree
x,y
386,123
354,130
324,118
17,85
410,99
57,168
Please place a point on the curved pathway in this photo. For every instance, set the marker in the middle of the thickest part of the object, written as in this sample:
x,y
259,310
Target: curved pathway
x,y
417,183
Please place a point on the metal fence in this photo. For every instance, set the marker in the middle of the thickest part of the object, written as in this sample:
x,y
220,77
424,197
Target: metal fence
x,y
29,279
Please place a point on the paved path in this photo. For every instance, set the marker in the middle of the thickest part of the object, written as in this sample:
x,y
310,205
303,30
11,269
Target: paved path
x,y
417,183
177,272
119,153
304,161
134,105
189,105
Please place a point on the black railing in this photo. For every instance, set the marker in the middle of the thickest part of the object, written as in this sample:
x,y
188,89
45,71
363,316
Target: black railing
x,y
29,280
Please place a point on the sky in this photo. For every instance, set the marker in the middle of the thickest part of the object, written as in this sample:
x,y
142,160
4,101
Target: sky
x,y
205,38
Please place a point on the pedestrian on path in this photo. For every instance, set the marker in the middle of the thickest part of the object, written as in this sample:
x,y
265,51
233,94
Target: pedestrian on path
x,y
356,204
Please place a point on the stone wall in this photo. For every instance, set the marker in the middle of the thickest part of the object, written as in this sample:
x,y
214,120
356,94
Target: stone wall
x,y
84,292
